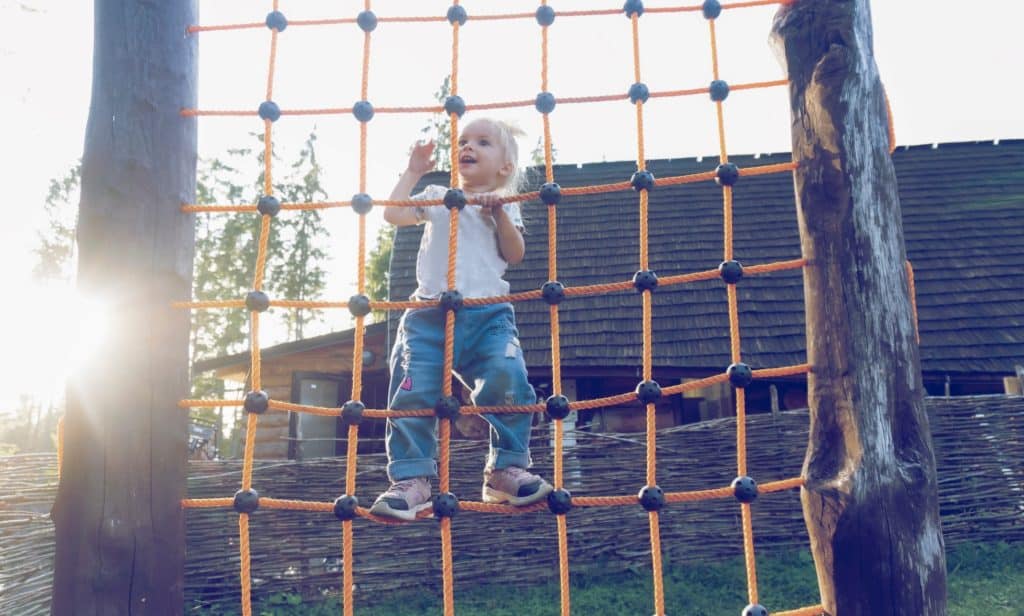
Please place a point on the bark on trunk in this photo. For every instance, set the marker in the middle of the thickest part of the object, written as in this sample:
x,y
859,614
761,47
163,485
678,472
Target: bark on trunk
x,y
870,499
118,516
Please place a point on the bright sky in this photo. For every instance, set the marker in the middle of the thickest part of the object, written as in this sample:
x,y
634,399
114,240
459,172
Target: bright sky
x,y
948,69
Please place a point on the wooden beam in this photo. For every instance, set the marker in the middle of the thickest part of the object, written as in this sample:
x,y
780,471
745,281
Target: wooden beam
x,y
118,517
870,500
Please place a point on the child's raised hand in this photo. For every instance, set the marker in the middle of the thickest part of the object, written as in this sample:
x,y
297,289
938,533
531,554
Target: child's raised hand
x,y
420,157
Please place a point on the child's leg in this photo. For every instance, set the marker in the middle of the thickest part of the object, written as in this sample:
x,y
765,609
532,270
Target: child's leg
x,y
417,361
492,364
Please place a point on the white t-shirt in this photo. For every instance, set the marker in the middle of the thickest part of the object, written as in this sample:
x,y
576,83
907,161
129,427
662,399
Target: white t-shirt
x,y
479,266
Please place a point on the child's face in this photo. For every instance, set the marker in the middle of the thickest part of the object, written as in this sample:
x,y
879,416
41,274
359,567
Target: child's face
x,y
482,157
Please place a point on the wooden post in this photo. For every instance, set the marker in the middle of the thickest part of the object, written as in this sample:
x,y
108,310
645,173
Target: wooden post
x,y
870,499
118,516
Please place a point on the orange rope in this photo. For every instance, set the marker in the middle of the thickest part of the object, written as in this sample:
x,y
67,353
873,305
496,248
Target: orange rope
x,y
350,459
250,446
445,425
493,17
478,507
509,104
648,346
727,217
741,431
913,300
594,403
734,331
595,289
889,123
563,565
734,323
814,610
449,340
659,586
556,359
254,346
748,553
527,196
359,334
347,561
246,572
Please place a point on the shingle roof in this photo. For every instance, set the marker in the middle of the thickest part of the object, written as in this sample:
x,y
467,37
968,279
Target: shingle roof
x,y
963,211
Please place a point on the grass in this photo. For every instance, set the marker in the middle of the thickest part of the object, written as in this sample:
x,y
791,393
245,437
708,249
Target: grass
x,y
984,579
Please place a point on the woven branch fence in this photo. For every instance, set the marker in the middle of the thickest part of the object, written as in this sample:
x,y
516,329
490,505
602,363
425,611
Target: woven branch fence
x,y
979,446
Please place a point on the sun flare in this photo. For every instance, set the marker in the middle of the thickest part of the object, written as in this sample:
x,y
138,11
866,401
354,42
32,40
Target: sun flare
x,y
53,330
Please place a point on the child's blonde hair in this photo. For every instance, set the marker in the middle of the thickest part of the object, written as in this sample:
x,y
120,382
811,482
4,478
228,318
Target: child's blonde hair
x,y
507,134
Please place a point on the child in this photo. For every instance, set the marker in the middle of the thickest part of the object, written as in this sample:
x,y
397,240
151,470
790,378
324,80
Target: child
x,y
488,358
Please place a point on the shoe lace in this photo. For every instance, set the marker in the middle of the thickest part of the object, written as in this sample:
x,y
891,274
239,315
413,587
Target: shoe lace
x,y
516,473
404,486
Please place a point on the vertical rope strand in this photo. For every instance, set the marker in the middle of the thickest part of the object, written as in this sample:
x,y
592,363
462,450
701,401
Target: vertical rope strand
x,y
246,565
273,63
651,444
889,122
748,553
250,445
734,334
563,565
556,355
352,446
449,339
659,587
446,565
346,572
254,336
913,300
268,157
741,432
727,234
261,253
734,323
447,572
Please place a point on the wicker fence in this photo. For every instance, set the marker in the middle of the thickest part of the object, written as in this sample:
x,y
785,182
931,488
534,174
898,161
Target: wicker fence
x,y
979,444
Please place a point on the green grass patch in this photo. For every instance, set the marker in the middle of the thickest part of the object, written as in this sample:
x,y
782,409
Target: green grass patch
x,y
983,579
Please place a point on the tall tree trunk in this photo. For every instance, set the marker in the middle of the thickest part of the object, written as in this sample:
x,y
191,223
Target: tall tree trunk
x,y
118,516
870,499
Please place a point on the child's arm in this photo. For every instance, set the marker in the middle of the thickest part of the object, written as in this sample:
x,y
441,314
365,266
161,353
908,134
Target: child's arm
x,y
510,238
419,164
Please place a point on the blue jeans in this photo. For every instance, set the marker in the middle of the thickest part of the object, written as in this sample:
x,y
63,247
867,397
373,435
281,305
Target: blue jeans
x,y
488,360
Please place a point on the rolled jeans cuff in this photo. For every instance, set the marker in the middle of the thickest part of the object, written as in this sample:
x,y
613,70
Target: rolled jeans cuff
x,y
503,458
414,467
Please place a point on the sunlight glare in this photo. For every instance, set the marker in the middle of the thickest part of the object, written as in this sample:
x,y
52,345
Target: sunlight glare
x,y
50,334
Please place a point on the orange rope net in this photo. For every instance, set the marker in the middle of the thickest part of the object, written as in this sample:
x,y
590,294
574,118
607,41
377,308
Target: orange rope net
x,y
651,497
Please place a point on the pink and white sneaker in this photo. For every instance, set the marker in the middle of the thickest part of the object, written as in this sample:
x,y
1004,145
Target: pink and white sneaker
x,y
404,499
514,486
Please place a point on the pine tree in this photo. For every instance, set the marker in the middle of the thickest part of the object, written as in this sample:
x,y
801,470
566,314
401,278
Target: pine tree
x,y
55,254
226,247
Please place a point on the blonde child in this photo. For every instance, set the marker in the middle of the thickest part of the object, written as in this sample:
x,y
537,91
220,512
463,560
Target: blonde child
x,y
488,358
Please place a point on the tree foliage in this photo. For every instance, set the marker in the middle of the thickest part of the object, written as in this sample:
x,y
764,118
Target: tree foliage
x,y
55,253
227,247
378,265
439,129
32,427
226,250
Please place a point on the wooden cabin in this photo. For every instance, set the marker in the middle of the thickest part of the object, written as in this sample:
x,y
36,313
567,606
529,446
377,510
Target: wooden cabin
x,y
315,371
963,220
